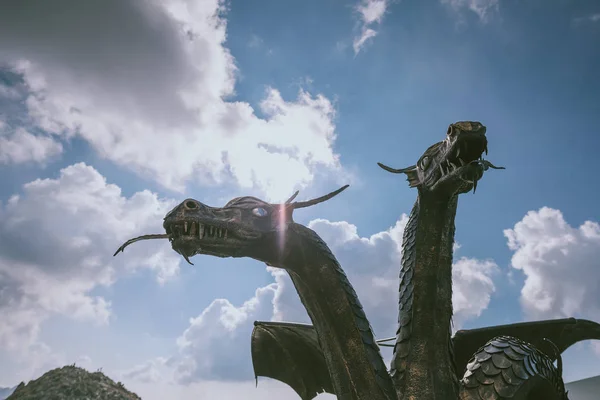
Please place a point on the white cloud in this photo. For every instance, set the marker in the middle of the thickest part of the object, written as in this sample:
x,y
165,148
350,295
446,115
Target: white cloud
x,y
473,287
17,144
360,41
483,8
56,244
147,83
37,359
370,12
149,372
560,264
21,146
216,345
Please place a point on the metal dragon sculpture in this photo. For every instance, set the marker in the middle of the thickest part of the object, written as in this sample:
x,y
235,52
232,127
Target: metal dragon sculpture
x,y
290,352
250,227
339,354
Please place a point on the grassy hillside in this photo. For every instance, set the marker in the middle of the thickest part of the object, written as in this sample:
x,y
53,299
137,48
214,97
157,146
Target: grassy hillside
x,y
72,383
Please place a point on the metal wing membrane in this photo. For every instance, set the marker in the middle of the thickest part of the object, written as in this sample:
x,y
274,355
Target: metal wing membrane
x,y
562,332
291,354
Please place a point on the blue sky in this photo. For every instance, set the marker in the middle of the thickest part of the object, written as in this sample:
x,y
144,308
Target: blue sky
x,y
269,97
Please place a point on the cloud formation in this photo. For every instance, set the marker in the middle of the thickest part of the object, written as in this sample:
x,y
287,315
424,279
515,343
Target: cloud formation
x,y
17,144
483,8
20,146
162,82
560,264
370,12
56,244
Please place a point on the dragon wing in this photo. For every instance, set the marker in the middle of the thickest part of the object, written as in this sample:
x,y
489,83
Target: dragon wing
x,y
562,332
291,354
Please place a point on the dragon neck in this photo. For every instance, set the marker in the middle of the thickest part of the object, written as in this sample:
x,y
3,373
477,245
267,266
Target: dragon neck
x,y
422,364
353,358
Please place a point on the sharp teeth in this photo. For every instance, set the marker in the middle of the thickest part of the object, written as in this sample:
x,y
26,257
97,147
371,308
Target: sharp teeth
x,y
212,231
193,229
462,163
458,152
185,227
201,231
225,234
219,232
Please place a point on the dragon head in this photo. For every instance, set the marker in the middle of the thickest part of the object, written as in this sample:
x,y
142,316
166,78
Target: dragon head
x,y
452,166
244,227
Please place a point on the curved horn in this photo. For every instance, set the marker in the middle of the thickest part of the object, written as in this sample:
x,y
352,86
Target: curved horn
x,y
557,355
288,201
397,171
303,204
488,164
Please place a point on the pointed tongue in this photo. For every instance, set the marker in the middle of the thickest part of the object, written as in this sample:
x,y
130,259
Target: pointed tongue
x,y
143,237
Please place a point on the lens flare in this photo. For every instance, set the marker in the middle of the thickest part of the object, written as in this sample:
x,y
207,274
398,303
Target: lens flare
x,y
282,222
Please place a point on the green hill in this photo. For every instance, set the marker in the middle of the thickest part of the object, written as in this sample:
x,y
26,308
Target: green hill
x,y
72,383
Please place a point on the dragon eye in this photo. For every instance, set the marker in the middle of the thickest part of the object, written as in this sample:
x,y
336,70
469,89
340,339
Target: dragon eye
x,y
259,212
424,162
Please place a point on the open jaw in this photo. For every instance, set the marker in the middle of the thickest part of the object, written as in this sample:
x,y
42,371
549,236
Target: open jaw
x,y
467,148
190,237
195,230
462,165
453,165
